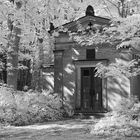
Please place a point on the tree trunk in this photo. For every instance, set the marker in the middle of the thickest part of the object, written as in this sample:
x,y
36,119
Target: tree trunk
x,y
12,57
13,47
37,71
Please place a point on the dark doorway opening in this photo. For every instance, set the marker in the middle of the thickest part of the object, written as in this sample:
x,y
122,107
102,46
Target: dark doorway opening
x,y
91,90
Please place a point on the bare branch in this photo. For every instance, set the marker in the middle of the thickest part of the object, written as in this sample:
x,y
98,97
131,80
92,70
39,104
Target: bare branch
x,y
108,10
112,3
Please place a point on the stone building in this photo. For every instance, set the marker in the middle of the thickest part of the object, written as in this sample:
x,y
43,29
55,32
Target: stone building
x,y
74,70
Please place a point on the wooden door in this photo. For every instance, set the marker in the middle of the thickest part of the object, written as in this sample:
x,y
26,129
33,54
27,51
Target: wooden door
x,y
91,90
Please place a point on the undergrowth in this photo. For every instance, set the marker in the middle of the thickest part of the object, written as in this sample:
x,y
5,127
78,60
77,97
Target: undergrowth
x,y
123,121
24,108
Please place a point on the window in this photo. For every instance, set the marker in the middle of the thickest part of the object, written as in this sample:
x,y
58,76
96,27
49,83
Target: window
x,y
90,54
86,72
137,58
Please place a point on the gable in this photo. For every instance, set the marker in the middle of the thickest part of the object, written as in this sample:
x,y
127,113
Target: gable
x,y
85,21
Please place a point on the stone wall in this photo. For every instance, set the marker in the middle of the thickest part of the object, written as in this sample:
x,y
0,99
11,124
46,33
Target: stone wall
x,y
66,83
116,87
68,78
135,86
48,78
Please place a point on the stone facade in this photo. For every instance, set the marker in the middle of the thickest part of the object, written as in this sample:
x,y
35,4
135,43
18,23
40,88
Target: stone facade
x,y
69,60
67,78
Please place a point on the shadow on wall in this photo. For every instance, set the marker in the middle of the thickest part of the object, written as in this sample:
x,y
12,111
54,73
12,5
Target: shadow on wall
x,y
69,85
117,88
135,86
48,79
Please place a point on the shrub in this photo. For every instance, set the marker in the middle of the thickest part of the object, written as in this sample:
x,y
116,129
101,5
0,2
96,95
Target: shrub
x,y
23,108
124,120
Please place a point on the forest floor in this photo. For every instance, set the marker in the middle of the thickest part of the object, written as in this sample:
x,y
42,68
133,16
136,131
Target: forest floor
x,y
74,129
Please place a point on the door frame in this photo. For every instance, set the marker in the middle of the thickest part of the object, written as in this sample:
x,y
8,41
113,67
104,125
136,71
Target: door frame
x,y
83,64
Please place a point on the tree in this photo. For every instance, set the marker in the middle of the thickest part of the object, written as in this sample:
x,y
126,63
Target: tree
x,y
21,27
125,36
124,8
13,47
24,31
119,34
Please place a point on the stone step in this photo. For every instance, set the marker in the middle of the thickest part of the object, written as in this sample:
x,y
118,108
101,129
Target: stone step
x,y
88,115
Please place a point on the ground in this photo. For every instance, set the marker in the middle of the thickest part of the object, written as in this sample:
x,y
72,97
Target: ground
x,y
74,129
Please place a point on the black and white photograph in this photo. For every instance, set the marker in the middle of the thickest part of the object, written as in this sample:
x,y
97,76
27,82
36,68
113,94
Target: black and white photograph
x,y
69,69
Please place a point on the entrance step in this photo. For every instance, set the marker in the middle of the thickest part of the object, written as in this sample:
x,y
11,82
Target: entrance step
x,y
88,115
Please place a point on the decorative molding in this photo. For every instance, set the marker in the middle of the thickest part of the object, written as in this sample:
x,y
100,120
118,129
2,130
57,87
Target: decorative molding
x,y
89,62
84,63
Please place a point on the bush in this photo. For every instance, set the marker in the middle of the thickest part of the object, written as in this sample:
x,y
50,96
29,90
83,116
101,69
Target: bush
x,y
23,108
124,120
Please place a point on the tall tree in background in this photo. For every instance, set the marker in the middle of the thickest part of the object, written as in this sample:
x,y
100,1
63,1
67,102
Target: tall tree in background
x,y
123,8
21,27
13,46
24,26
